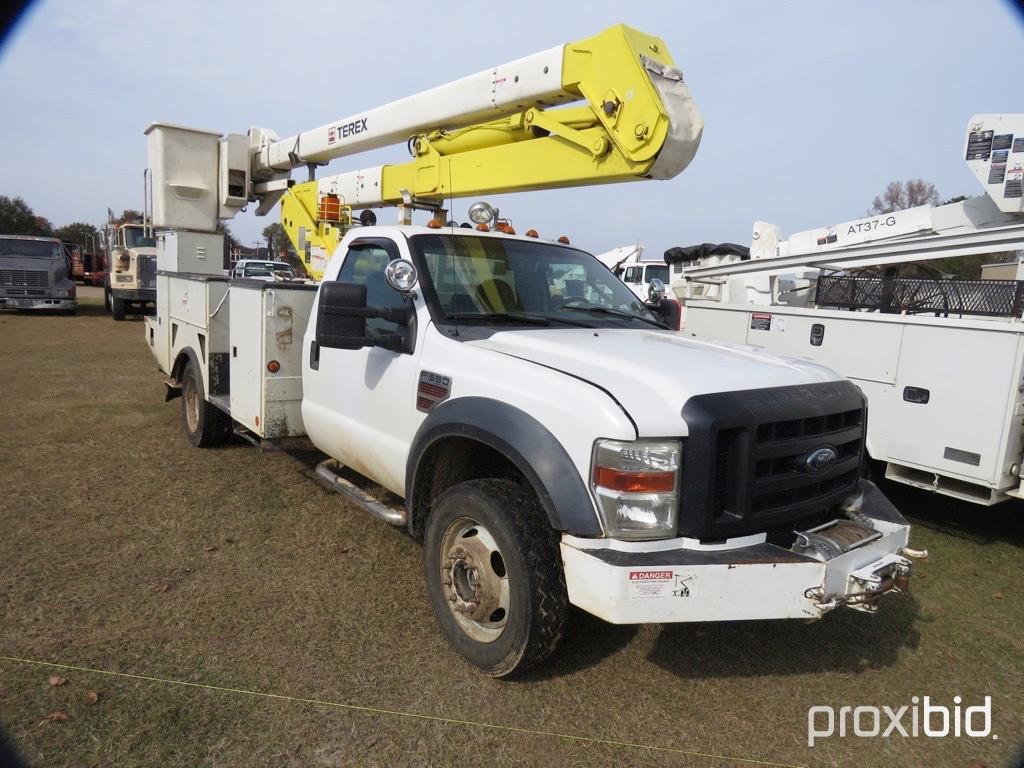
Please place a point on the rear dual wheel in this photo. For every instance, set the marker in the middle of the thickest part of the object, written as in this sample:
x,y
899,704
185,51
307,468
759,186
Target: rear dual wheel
x,y
204,424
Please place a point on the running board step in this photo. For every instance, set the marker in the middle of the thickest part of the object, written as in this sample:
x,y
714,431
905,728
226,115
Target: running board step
x,y
327,472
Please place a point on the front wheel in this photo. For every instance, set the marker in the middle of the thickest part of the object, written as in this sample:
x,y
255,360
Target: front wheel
x,y
494,576
117,308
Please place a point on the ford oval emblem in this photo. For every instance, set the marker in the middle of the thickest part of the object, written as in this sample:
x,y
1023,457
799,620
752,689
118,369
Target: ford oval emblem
x,y
820,459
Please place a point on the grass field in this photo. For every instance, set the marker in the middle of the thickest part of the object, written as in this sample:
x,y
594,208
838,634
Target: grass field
x,y
125,550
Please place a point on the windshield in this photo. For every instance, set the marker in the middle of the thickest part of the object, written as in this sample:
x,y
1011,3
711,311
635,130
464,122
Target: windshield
x,y
657,272
47,249
475,278
134,238
256,272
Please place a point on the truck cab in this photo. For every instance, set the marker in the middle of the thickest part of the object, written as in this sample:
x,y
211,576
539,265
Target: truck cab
x,y
35,273
130,283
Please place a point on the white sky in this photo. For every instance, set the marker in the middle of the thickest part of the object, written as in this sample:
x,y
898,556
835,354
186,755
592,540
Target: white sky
x,y
810,108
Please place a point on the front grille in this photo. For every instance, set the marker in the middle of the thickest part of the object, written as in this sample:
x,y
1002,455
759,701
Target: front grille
x,y
147,271
30,278
745,462
25,292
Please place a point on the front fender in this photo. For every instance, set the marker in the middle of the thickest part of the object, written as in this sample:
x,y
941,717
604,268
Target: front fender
x,y
526,443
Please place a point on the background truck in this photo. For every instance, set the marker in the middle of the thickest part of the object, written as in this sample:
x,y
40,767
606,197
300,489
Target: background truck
x,y
130,252
35,273
88,264
941,360
516,420
627,262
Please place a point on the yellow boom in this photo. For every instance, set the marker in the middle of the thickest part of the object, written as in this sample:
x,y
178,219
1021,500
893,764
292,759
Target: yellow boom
x,y
638,121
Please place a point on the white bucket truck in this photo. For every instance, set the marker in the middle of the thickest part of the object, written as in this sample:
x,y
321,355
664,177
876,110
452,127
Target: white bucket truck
x,y
550,443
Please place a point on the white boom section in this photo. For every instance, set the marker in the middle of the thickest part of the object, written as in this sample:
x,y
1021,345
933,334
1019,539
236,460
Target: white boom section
x,y
531,81
915,234
994,152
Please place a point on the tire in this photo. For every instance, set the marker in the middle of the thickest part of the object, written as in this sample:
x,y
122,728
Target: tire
x,y
489,540
106,296
117,308
205,425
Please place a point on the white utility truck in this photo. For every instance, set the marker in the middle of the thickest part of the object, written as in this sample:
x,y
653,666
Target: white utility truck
x,y
548,439
941,360
627,263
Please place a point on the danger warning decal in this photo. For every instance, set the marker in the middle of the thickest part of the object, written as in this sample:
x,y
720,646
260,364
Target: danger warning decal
x,y
655,584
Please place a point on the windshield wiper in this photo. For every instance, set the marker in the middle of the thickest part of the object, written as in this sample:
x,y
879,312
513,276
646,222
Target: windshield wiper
x,y
614,313
521,318
501,317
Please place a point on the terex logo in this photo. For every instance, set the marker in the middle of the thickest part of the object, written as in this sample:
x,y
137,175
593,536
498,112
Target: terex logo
x,y
650,575
344,131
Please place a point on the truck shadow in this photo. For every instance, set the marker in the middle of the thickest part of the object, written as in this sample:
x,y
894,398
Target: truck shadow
x,y
588,641
970,522
845,641
92,310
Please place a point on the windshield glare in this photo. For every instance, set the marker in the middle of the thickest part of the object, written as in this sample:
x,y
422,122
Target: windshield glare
x,y
134,238
33,248
493,276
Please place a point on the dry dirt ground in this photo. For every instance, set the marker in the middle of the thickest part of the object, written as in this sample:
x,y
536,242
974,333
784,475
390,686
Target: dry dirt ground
x,y
123,549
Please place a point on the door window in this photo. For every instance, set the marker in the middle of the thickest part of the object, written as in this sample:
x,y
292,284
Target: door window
x,y
365,264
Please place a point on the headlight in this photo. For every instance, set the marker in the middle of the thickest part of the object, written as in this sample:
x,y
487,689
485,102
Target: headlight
x,y
637,487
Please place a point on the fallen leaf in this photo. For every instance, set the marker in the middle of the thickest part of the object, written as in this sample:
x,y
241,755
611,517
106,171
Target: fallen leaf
x,y
91,697
56,717
160,587
57,680
211,549
998,595
976,764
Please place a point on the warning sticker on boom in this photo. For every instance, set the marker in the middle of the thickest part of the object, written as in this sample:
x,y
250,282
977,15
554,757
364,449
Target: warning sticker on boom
x,y
760,321
1014,183
979,145
1002,141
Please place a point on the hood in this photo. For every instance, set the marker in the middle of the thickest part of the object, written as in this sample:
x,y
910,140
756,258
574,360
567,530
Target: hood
x,y
653,373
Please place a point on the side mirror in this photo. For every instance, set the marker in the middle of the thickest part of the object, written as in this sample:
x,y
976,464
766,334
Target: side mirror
x,y
341,320
341,316
656,291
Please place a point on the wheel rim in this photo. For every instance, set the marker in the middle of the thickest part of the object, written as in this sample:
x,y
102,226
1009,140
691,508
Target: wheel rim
x,y
191,398
475,580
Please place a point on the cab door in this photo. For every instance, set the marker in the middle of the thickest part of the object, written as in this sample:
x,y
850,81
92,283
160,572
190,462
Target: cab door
x,y
358,405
